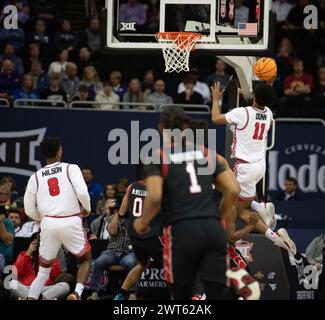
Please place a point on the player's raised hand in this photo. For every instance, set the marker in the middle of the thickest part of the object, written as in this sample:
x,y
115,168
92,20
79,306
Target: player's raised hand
x,y
217,93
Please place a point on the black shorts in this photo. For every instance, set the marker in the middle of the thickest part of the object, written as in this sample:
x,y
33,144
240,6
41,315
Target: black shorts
x,y
194,246
145,249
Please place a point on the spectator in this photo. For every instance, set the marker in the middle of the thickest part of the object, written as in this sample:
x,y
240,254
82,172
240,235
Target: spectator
x,y
122,187
15,37
9,54
27,267
281,8
153,16
241,13
107,97
66,39
285,57
9,81
159,97
84,60
105,208
93,35
132,11
45,10
41,79
148,84
5,195
290,192
319,92
40,35
297,89
119,251
15,216
219,75
296,17
103,205
26,91
95,190
134,93
70,81
199,87
11,183
28,229
83,95
189,96
60,65
7,233
91,80
34,56
23,9
54,92
314,252
115,79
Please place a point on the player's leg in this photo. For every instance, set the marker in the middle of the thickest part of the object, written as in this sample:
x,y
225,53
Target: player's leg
x,y
49,248
181,256
73,237
142,253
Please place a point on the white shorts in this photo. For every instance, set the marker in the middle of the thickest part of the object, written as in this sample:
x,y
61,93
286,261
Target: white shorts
x,y
67,231
248,175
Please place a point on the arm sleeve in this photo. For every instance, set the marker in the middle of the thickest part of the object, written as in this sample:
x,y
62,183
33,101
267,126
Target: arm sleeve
x,y
79,186
219,168
21,263
237,116
30,203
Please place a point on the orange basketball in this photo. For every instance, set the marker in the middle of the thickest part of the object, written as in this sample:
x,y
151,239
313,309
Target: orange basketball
x,y
265,69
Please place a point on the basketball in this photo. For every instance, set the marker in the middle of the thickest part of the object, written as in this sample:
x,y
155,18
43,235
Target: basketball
x,y
265,69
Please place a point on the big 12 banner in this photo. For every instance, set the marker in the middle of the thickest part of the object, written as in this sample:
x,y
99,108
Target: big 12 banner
x,y
299,152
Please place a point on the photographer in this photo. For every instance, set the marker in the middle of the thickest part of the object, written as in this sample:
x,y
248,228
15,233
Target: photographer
x,y
27,267
7,232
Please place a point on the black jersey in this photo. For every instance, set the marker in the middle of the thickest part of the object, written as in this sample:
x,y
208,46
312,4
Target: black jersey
x,y
137,193
187,194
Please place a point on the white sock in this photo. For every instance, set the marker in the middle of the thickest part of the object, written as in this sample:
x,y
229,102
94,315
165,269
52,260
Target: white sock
x,y
257,207
272,236
79,289
39,282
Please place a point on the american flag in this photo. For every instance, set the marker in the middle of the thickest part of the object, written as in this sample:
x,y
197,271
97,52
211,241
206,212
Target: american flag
x,y
247,29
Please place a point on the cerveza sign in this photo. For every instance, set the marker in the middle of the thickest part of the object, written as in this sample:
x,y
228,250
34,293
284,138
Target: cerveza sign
x,y
300,153
17,151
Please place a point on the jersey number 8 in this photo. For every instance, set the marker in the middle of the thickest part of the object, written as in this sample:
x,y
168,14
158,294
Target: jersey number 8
x,y
53,185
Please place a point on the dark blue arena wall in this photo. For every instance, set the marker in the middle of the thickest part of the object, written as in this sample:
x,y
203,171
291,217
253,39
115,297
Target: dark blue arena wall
x,y
84,136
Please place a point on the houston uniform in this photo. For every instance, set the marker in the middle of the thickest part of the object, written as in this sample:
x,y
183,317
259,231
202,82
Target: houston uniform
x,y
195,238
149,245
248,147
53,194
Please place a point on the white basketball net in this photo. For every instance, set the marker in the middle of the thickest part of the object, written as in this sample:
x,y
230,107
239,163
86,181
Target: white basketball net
x,y
177,47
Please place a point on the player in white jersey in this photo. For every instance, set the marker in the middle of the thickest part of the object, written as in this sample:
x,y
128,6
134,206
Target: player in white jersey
x,y
52,197
251,126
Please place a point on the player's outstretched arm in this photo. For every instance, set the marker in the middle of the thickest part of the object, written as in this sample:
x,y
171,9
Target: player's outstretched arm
x,y
79,186
217,96
30,203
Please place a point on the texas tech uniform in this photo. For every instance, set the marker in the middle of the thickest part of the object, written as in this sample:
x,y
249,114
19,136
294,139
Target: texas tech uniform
x,y
149,245
54,193
195,239
250,132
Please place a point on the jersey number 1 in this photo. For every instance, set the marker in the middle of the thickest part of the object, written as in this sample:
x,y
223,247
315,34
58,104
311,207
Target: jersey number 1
x,y
54,188
259,131
194,187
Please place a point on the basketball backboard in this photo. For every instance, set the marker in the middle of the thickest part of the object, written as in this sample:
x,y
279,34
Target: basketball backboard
x,y
228,28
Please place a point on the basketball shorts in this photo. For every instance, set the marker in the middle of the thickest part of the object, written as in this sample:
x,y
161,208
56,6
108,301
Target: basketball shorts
x,y
248,175
67,231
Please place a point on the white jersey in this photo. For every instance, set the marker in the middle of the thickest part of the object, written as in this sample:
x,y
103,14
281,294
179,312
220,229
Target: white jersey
x,y
55,191
251,128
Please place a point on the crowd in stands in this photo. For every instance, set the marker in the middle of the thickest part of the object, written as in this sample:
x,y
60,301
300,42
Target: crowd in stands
x,y
46,59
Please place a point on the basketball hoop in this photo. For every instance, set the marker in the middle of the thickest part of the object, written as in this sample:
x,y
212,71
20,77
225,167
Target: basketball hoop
x,y
177,47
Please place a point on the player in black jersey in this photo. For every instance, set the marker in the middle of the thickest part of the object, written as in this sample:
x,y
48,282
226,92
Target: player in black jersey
x,y
147,247
195,238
